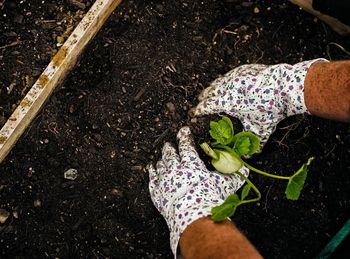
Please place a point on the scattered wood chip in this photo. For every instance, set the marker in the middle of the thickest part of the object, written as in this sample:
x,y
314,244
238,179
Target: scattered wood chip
x,y
4,214
10,44
139,94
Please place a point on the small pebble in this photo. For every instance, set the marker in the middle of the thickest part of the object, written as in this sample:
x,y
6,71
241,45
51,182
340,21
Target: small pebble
x,y
60,39
115,191
15,214
37,203
171,107
4,214
71,174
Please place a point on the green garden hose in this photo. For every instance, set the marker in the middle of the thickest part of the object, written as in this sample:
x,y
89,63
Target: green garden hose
x,y
335,242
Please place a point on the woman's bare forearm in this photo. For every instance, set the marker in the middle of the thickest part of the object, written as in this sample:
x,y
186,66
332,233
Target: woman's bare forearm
x,y
327,90
206,239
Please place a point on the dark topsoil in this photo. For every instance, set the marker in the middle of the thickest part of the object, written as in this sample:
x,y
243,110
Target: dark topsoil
x,y
129,93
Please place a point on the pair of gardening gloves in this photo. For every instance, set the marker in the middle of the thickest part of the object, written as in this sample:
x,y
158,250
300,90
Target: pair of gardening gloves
x,y
181,187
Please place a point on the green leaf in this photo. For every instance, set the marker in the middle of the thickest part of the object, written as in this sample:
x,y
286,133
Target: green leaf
x,y
246,143
242,146
226,209
297,181
222,131
245,191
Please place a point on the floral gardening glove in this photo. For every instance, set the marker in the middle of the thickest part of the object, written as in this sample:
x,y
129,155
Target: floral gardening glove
x,y
259,95
183,189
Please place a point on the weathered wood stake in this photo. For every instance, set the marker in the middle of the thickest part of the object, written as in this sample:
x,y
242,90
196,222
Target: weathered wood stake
x,y
55,72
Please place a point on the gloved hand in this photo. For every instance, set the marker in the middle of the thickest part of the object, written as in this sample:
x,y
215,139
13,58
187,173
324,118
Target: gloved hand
x,y
183,189
259,95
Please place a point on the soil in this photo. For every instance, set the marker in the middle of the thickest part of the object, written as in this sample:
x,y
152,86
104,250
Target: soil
x,y
130,92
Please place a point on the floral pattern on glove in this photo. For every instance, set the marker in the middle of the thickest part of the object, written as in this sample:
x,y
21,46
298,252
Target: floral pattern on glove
x,y
259,95
183,189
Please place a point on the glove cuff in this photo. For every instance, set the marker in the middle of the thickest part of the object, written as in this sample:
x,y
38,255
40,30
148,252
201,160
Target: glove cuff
x,y
198,201
186,208
291,89
179,227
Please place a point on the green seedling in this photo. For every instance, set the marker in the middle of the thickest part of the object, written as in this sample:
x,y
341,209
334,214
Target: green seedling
x,y
226,152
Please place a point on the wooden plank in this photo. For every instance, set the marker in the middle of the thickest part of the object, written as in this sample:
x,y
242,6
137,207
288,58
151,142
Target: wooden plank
x,y
60,65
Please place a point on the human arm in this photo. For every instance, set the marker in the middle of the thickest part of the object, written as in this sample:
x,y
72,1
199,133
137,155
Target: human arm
x,y
206,239
327,90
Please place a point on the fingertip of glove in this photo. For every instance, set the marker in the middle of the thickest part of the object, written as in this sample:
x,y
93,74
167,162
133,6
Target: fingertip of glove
x,y
167,145
200,110
184,132
159,165
196,111
150,168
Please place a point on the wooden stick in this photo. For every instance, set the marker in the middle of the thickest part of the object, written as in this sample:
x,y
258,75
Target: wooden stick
x,y
60,65
334,23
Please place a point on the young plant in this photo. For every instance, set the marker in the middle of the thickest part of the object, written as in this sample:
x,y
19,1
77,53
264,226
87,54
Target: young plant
x,y
226,157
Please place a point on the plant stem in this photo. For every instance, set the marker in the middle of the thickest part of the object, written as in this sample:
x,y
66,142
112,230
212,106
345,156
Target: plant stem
x,y
209,151
254,188
264,173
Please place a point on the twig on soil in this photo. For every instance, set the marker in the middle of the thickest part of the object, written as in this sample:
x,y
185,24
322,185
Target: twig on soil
x,y
330,151
261,56
10,44
161,137
236,43
289,128
46,21
10,87
183,88
340,47
279,27
267,194
53,128
2,4
139,94
214,38
229,32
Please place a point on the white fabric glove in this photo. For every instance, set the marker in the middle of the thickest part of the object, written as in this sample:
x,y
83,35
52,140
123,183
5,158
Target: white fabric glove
x,y
259,95
183,189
